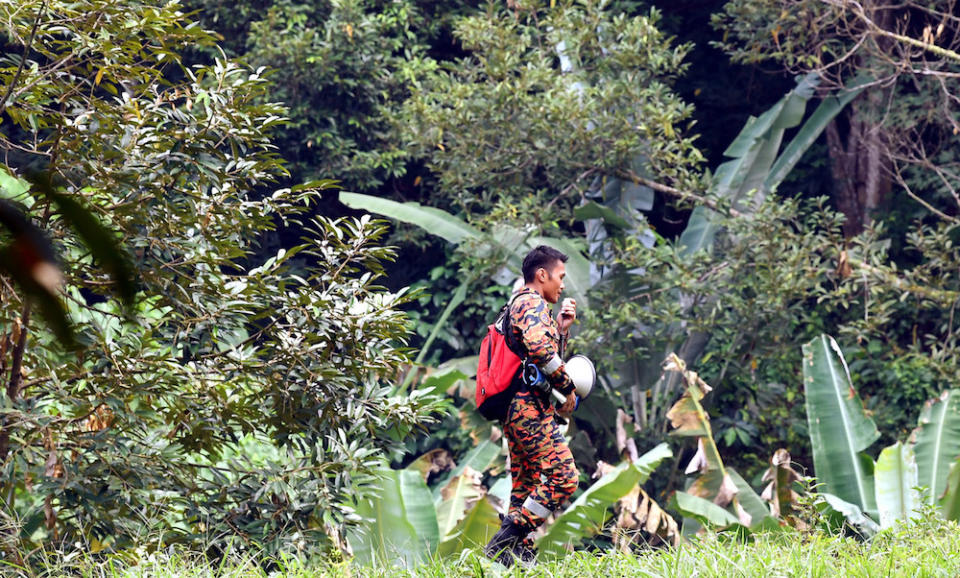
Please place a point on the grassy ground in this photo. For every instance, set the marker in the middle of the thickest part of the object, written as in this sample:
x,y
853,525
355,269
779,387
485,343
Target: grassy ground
x,y
929,548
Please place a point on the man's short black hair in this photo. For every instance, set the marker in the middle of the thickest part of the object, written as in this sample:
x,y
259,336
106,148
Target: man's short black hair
x,y
540,256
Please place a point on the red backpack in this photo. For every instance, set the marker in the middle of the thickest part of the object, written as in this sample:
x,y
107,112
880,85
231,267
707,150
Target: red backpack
x,y
498,374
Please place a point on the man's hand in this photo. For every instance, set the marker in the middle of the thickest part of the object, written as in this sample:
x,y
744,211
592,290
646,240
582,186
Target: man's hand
x,y
567,315
566,410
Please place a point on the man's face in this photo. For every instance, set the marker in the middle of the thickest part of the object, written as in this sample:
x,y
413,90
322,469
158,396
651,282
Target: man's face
x,y
553,284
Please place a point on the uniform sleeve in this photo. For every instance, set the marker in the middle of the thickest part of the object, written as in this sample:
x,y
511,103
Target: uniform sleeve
x,y
538,333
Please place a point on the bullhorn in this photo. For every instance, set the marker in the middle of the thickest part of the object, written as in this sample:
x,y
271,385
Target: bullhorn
x,y
584,377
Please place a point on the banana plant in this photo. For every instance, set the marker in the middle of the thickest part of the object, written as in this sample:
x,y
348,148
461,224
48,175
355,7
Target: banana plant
x,y
401,521
718,495
512,244
757,166
590,511
406,523
781,478
840,432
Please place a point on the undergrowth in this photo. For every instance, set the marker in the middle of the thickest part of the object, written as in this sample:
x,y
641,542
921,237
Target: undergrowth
x,y
928,547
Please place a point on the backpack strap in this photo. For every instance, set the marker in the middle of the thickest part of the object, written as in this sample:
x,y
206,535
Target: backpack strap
x,y
515,347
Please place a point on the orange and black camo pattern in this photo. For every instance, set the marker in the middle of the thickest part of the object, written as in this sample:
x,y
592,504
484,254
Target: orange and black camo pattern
x,y
541,465
537,331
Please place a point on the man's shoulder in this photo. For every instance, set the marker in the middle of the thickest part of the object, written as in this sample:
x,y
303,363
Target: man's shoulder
x,y
527,302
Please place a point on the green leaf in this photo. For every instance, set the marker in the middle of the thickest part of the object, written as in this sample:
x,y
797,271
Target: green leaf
x,y
458,496
443,379
807,135
839,427
14,189
950,502
478,459
704,511
896,480
401,521
937,442
593,210
473,531
432,220
755,167
751,503
586,516
852,513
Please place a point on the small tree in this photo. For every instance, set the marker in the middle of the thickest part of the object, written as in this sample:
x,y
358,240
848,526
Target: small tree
x,y
236,402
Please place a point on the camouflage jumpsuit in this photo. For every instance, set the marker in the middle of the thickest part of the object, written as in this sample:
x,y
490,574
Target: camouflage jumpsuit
x,y
541,465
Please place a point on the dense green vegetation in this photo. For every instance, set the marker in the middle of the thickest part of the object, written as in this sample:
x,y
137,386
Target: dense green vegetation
x,y
925,548
207,343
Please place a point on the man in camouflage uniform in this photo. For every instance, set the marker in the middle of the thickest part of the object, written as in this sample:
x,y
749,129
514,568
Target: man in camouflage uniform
x,y
541,465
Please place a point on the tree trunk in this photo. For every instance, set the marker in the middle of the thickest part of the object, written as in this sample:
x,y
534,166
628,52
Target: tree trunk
x,y
856,140
860,167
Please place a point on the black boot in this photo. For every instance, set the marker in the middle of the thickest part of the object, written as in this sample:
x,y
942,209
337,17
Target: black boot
x,y
525,553
501,547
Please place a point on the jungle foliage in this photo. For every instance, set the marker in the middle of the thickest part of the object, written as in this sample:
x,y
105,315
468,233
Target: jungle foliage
x,y
228,356
237,398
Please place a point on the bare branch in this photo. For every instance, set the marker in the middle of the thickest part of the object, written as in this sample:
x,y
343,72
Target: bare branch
x,y
857,9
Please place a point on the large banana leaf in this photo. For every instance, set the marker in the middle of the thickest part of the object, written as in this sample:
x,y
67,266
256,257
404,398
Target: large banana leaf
x,y
851,512
937,440
586,516
401,522
753,153
703,511
950,502
457,231
458,497
808,134
478,459
839,428
689,419
434,221
473,531
756,167
751,503
896,480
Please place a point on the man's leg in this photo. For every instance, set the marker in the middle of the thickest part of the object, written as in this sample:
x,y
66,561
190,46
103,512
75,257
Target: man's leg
x,y
555,461
524,479
537,441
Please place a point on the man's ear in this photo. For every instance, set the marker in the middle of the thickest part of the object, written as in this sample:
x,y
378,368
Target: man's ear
x,y
542,274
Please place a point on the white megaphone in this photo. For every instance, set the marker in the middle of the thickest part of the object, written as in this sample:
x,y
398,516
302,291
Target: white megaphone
x,y
584,377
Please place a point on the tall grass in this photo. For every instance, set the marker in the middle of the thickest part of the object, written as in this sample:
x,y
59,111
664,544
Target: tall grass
x,y
929,547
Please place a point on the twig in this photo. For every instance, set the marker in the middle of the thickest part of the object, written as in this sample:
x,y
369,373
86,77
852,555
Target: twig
x,y
860,13
23,59
684,195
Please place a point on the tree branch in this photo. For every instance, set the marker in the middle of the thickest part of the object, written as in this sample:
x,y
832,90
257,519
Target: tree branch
x,y
860,13
23,59
683,195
